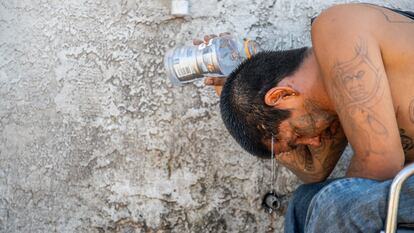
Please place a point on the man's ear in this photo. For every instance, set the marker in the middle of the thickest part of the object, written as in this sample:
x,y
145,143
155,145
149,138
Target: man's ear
x,y
279,96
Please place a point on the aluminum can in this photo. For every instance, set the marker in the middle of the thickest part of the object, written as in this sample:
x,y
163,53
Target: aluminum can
x,y
218,58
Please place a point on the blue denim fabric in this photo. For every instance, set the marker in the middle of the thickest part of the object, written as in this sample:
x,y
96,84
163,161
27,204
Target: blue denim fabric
x,y
298,206
347,205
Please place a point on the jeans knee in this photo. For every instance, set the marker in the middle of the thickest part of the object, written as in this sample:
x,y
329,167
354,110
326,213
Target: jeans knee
x,y
306,192
343,205
337,197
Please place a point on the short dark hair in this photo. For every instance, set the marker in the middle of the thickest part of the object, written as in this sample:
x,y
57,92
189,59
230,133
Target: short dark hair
x,y
247,118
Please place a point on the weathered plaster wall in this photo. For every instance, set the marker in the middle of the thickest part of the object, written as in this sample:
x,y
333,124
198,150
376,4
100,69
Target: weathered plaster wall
x,y
94,138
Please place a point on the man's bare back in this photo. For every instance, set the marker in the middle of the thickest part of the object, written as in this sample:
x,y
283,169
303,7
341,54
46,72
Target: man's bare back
x,y
366,54
398,55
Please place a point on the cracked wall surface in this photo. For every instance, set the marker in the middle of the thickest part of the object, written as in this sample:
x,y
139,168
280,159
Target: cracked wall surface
x,y
94,137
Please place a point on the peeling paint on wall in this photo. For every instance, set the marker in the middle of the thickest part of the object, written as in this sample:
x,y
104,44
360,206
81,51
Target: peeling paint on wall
x,y
94,138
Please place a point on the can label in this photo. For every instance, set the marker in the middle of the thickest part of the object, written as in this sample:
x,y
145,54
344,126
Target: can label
x,y
181,64
183,71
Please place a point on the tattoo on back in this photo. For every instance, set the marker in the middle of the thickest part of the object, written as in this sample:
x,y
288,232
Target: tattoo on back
x,y
390,17
406,141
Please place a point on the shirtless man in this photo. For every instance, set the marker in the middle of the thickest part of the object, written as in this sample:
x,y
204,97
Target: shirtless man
x,y
355,84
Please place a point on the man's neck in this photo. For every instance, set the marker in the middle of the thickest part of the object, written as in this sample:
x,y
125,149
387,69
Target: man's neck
x,y
314,87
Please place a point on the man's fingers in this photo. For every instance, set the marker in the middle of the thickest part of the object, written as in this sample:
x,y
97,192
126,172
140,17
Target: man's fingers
x,y
214,81
219,81
197,41
207,38
218,89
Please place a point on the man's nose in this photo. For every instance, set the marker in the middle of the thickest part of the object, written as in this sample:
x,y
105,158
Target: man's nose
x,y
313,141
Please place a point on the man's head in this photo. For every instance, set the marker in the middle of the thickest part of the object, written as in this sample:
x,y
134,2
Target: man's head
x,y
263,97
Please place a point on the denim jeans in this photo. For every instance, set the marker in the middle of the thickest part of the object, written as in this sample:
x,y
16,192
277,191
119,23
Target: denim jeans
x,y
347,205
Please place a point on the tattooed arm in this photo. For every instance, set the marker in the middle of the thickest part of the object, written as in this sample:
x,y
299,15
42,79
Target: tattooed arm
x,y
349,56
314,164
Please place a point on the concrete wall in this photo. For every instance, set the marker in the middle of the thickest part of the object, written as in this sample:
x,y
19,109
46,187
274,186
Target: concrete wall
x,y
94,138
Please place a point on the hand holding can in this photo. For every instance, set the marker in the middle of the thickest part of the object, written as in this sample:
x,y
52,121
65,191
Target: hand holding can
x,y
214,57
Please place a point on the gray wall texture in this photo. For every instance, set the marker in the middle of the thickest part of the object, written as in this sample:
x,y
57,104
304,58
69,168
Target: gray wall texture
x,y
93,136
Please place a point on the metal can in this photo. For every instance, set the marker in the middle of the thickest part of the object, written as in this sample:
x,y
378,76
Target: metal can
x,y
218,58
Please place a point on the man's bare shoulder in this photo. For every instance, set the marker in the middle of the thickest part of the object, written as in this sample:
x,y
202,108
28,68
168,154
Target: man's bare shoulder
x,y
340,20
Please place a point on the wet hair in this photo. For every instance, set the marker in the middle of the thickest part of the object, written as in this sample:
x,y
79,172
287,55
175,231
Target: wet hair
x,y
246,116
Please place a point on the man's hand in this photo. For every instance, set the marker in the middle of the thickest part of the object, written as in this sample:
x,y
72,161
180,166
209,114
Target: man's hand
x,y
216,82
314,164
